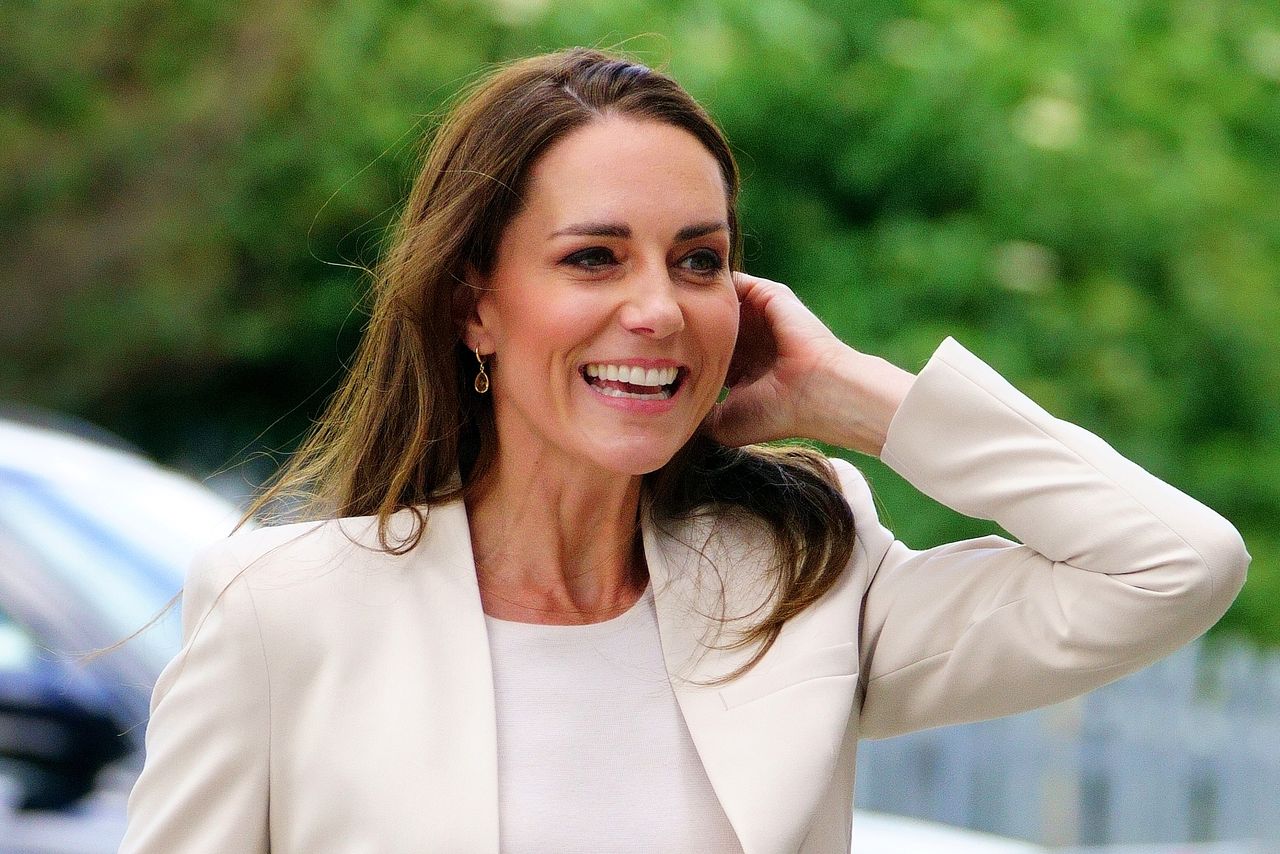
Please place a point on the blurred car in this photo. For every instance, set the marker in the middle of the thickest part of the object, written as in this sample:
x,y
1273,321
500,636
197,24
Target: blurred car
x,y
94,541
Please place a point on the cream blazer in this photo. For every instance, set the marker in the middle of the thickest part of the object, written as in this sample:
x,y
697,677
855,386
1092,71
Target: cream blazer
x,y
333,699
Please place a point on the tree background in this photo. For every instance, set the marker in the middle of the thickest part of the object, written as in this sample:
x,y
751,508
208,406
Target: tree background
x,y
1084,194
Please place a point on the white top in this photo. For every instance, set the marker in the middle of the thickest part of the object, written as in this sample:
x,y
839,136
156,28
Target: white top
x,y
593,753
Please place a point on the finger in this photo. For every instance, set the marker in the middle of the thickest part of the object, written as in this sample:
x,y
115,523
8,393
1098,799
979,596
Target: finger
x,y
756,347
749,286
768,298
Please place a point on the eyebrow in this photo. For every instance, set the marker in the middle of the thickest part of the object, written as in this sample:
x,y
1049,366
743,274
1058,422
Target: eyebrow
x,y
612,229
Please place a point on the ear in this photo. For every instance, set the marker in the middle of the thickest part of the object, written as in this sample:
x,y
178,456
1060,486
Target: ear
x,y
471,307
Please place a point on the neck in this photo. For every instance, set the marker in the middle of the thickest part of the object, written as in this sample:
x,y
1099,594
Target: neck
x,y
556,547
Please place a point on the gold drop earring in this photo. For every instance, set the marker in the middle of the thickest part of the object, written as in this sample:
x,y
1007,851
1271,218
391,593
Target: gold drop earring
x,y
482,379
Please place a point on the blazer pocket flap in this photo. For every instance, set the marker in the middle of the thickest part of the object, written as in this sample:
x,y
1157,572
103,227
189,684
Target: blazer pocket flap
x,y
827,661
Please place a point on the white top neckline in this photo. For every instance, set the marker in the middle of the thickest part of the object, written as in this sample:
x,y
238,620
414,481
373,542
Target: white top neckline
x,y
617,623
593,752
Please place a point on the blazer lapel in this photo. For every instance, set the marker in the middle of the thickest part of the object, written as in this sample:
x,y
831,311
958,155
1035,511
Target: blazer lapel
x,y
457,804
769,740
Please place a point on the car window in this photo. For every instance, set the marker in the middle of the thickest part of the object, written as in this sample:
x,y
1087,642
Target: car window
x,y
161,514
109,573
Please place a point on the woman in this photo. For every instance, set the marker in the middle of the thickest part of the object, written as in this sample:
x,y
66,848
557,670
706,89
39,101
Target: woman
x,y
552,600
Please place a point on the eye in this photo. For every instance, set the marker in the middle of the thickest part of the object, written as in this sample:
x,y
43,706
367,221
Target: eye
x,y
591,259
706,261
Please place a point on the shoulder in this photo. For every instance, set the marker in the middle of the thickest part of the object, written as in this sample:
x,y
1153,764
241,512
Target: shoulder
x,y
854,487
873,538
297,539
851,479
735,531
272,553
727,521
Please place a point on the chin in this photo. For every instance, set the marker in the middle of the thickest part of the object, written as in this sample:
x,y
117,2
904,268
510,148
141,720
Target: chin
x,y
640,467
634,460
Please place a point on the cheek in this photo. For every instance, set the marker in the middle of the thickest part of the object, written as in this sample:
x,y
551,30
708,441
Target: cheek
x,y
720,324
531,317
543,329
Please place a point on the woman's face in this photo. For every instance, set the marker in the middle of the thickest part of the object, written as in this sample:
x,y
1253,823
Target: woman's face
x,y
610,310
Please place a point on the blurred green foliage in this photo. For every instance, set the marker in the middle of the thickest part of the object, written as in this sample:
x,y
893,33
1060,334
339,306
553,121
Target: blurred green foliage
x,y
1084,194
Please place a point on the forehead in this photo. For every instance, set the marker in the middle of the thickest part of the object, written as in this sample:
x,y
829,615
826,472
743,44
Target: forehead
x,y
620,168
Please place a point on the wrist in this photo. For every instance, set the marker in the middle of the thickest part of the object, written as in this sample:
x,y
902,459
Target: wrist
x,y
860,394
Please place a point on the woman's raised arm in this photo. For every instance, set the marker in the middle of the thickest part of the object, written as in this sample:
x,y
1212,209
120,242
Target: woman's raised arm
x,y
1116,568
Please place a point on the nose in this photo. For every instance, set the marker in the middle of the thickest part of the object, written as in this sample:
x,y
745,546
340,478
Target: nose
x,y
652,307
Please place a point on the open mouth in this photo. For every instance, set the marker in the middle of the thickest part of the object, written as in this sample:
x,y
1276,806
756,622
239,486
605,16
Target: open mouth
x,y
633,382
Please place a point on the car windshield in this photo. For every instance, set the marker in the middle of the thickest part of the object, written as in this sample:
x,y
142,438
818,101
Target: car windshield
x,y
114,533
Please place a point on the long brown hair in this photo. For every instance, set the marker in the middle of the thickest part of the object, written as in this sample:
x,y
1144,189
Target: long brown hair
x,y
404,429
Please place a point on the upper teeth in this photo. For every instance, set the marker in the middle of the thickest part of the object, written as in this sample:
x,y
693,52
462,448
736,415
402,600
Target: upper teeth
x,y
633,374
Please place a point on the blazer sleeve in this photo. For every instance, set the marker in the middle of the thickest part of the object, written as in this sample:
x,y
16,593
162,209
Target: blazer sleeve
x,y
1114,570
203,788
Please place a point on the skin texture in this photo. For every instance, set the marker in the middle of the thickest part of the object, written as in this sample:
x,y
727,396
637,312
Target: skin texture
x,y
619,255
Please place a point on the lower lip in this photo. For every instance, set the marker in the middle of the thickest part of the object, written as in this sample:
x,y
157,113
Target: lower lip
x,y
652,406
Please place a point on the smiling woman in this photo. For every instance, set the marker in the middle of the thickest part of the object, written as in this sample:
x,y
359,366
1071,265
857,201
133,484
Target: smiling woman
x,y
553,596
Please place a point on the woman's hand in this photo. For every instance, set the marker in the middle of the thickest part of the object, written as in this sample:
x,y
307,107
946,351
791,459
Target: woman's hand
x,y
790,376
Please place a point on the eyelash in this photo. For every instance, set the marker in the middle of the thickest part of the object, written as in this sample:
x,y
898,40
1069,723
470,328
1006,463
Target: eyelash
x,y
577,258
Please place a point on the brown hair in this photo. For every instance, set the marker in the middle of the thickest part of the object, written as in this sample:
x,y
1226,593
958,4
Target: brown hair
x,y
404,429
